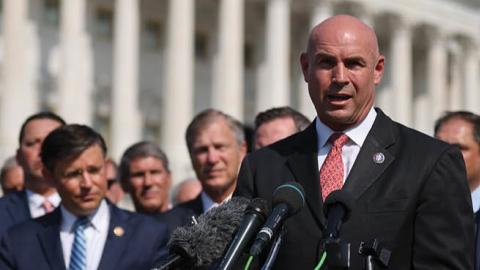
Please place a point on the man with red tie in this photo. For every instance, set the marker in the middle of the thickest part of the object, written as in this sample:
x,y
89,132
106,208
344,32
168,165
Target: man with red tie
x,y
409,190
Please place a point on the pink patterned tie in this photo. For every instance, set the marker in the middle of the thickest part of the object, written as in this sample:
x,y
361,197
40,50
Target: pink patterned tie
x,y
331,173
47,206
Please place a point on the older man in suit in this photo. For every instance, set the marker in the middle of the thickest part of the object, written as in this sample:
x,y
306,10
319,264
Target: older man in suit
x,y
409,190
86,232
39,196
216,143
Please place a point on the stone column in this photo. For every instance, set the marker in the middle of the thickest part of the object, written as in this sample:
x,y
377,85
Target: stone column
x,y
125,115
455,97
75,76
471,73
227,94
277,85
19,97
436,75
401,68
178,99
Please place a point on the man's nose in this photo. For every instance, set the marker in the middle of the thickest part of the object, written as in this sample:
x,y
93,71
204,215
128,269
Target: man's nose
x,y
339,74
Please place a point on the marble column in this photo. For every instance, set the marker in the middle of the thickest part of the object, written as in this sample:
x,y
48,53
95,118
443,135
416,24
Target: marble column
x,y
125,116
436,75
455,97
178,99
227,94
276,90
75,81
471,73
401,71
19,95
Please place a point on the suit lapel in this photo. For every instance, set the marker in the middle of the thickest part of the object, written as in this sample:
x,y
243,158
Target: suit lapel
x,y
117,239
49,239
373,158
304,166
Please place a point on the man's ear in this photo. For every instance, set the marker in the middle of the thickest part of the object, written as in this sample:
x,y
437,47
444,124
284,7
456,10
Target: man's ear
x,y
379,70
305,65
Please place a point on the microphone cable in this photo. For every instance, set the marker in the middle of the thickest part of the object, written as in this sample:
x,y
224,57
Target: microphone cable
x,y
322,261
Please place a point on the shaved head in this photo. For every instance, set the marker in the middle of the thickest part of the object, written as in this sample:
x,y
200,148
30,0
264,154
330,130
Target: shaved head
x,y
343,27
342,66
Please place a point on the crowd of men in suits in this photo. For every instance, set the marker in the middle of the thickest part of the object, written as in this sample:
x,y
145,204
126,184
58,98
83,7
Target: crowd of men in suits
x,y
68,176
410,190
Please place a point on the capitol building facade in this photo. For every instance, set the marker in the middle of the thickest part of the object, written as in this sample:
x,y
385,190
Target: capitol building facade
x,y
141,69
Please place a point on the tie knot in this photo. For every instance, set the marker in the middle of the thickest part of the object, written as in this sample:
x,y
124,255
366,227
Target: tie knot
x,y
338,139
47,206
81,223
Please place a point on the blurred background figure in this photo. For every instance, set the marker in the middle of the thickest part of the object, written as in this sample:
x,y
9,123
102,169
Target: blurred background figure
x,y
11,176
462,128
216,144
115,192
39,195
187,190
145,175
277,123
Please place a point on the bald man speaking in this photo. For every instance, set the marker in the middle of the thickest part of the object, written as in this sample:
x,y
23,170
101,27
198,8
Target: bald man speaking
x,y
410,191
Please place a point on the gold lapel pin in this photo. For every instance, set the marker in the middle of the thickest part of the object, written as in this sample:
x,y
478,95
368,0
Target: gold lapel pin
x,y
118,231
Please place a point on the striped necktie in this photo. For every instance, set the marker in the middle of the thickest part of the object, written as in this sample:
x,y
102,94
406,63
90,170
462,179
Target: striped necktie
x,y
78,257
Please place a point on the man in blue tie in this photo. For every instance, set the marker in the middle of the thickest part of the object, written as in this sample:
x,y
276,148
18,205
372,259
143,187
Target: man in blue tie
x,y
85,232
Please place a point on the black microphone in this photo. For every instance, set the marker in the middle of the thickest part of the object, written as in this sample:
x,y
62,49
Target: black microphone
x,y
288,199
337,208
255,215
202,244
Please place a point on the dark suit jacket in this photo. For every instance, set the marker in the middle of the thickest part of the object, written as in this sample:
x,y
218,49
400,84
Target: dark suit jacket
x,y
477,240
13,210
181,214
35,244
417,202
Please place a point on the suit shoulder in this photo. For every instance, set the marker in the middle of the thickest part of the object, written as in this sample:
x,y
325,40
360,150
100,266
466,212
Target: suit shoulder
x,y
134,218
418,139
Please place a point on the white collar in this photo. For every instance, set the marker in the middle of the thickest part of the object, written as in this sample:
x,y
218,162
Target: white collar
x,y
476,199
37,199
208,203
97,219
356,134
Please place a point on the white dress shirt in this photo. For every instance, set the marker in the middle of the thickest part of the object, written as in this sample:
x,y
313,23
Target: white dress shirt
x,y
350,150
95,234
476,199
208,203
36,200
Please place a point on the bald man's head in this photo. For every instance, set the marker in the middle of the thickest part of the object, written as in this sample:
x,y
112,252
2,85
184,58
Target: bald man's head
x,y
343,27
342,65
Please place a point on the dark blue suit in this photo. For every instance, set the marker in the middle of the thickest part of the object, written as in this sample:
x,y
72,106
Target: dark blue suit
x,y
35,244
181,214
13,210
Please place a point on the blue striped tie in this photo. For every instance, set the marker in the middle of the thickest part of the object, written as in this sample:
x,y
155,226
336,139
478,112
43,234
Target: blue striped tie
x,y
78,257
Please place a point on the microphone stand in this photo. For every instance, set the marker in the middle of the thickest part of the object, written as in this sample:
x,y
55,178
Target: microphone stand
x,y
338,253
272,255
375,254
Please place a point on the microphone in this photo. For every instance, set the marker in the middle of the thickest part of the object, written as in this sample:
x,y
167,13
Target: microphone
x,y
254,217
201,244
288,199
337,208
